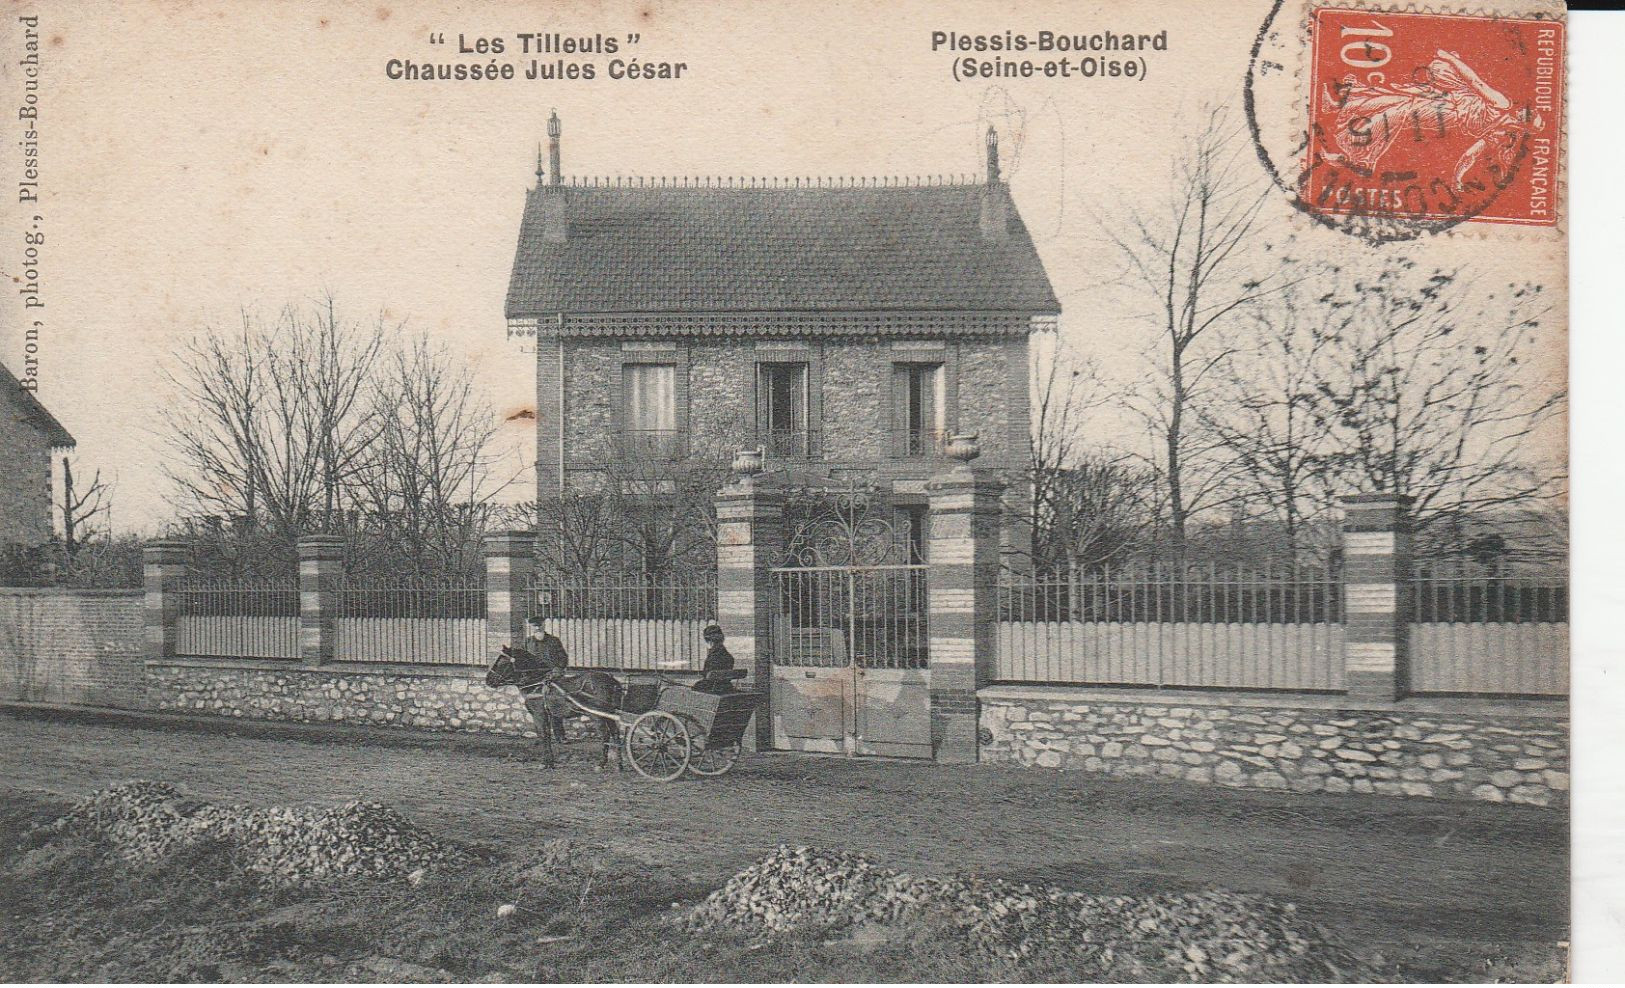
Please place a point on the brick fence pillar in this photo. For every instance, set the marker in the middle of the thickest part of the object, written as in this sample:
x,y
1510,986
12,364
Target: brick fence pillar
x,y
962,612
163,567
510,560
750,538
321,570
1376,595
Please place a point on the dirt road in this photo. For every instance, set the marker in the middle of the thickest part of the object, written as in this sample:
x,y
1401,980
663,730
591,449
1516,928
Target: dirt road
x,y
1413,874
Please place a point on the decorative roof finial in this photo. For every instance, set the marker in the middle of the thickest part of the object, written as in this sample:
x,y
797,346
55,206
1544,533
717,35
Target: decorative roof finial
x,y
553,146
992,155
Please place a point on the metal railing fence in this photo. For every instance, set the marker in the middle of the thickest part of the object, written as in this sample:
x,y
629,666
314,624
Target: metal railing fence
x,y
787,444
1479,632
435,621
871,617
1267,628
918,442
257,619
627,624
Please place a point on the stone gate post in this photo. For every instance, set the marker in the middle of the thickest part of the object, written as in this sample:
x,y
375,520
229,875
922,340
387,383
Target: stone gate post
x,y
321,570
163,567
1376,595
510,560
963,604
750,538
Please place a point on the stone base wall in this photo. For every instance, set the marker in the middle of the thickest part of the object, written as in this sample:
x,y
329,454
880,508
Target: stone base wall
x,y
1498,752
72,647
451,699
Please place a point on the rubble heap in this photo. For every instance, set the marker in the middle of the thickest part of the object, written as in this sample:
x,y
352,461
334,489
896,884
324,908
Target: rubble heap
x,y
1202,936
147,821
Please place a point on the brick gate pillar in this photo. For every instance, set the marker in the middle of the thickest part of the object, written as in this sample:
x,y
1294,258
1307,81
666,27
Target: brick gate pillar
x,y
321,570
963,603
510,560
163,567
1376,595
750,541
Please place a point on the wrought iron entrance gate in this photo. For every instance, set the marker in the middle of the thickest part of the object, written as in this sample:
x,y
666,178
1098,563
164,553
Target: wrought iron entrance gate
x,y
850,670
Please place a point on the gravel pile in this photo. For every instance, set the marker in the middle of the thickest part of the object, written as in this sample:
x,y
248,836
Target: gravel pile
x,y
1205,936
147,821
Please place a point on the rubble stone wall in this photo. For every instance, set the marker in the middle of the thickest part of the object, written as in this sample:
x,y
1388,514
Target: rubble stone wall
x,y
449,699
1501,752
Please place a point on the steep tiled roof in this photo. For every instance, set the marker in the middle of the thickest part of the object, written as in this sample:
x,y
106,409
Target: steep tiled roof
x,y
666,249
34,412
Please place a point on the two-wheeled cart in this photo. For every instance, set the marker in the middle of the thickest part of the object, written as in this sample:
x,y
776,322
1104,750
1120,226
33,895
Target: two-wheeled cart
x,y
668,728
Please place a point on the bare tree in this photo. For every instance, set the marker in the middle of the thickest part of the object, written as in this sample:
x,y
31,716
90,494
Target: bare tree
x,y
423,489
646,511
1098,513
1195,257
269,420
1269,411
83,510
1084,505
1430,391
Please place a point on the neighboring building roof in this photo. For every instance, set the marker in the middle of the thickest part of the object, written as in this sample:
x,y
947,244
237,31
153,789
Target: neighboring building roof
x,y
646,249
34,412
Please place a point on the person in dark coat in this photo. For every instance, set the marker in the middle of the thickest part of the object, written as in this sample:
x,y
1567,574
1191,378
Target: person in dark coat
x,y
718,662
545,646
549,651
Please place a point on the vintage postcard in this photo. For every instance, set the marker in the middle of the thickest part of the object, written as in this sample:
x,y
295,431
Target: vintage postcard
x,y
734,491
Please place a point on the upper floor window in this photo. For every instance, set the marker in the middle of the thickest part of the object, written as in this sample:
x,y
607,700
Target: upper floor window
x,y
922,412
649,410
782,408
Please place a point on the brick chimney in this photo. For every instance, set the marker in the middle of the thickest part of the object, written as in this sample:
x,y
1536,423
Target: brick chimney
x,y
555,205
995,200
553,147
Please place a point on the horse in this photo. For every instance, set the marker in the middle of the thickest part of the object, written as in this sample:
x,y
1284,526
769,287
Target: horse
x,y
596,690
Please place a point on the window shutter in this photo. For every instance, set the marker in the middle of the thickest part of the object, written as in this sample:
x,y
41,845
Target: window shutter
x,y
815,404
758,425
897,424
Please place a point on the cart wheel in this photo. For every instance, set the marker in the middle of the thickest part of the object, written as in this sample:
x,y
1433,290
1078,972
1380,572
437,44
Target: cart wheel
x,y
657,745
705,760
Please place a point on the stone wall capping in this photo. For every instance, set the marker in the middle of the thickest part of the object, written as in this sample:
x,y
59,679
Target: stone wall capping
x,y
68,592
1554,708
295,667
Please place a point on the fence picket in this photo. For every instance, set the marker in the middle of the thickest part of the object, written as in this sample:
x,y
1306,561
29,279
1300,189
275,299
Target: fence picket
x,y
1176,626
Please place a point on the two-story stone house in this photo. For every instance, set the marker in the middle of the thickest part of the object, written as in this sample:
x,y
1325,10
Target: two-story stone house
x,y
846,328
28,434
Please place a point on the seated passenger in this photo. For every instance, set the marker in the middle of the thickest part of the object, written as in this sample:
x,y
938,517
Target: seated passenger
x,y
718,663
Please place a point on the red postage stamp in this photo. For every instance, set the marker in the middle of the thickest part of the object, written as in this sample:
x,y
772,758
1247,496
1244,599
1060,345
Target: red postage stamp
x,y
1434,118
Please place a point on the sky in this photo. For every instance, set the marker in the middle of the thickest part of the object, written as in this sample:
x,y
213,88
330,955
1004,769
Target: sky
x,y
202,158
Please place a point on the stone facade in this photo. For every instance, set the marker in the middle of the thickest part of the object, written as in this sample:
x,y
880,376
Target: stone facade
x,y
25,484
72,647
1519,755
449,699
986,390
